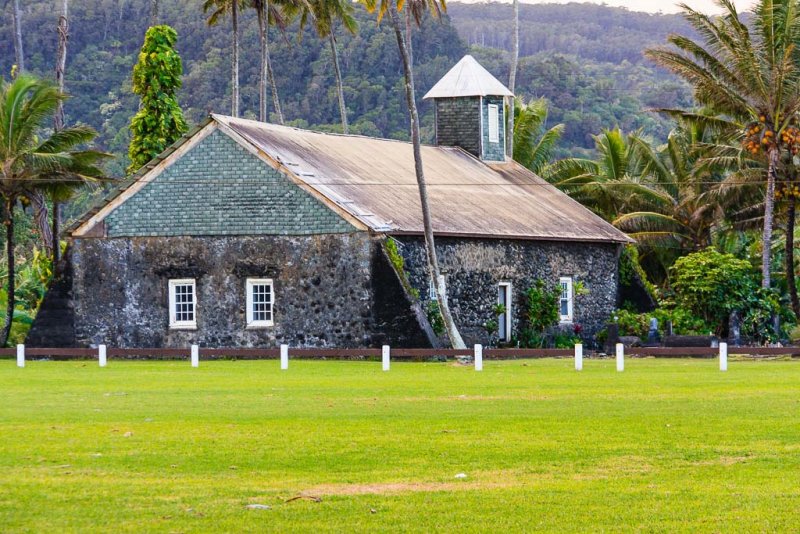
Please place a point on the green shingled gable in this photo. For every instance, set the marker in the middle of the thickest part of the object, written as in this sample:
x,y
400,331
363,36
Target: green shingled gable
x,y
219,188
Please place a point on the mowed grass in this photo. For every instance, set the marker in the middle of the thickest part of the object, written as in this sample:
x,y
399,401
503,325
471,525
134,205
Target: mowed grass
x,y
668,445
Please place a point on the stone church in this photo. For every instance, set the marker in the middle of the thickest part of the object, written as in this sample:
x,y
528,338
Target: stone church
x,y
251,234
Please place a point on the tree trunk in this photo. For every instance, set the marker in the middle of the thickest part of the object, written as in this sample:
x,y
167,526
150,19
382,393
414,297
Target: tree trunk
x,y
39,204
512,79
19,55
153,12
266,77
791,282
433,263
235,59
59,121
339,86
11,303
769,208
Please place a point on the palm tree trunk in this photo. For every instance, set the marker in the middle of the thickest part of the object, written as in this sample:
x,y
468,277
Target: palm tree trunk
x,y
265,74
433,262
512,79
17,21
791,283
153,12
58,121
39,204
769,209
339,87
10,303
235,59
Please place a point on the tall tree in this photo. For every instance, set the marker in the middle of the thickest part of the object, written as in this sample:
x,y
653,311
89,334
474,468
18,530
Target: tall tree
x,y
156,79
324,14
512,75
535,145
748,72
58,121
419,8
32,162
16,18
267,14
218,9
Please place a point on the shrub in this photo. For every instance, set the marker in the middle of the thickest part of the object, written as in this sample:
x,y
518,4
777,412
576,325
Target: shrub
x,y
541,313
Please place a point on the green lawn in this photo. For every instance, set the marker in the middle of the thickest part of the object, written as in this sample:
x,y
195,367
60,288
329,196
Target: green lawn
x,y
158,446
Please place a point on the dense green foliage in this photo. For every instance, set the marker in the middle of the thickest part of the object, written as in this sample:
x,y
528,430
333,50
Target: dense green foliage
x,y
540,314
156,79
667,446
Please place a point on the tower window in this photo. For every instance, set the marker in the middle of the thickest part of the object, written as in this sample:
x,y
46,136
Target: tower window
x,y
494,123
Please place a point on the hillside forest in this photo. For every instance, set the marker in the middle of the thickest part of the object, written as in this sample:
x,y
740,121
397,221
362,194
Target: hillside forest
x,y
599,114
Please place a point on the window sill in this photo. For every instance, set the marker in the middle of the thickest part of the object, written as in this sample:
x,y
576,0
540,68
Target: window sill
x,y
183,327
565,321
259,326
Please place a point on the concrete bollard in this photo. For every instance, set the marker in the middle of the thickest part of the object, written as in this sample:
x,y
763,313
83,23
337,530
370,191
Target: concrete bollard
x,y
284,357
579,356
385,357
478,353
195,356
101,355
20,355
723,356
620,357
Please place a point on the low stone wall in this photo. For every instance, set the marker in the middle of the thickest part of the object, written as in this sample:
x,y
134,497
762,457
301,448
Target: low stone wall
x,y
475,267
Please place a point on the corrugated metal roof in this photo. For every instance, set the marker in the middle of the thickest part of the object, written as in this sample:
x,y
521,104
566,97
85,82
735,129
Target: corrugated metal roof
x,y
374,180
468,78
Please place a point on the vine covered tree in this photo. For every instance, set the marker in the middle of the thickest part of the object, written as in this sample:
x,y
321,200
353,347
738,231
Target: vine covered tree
x,y
33,163
218,9
267,14
748,73
156,79
418,9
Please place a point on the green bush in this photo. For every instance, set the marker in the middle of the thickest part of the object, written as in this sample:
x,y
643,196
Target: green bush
x,y
541,313
435,317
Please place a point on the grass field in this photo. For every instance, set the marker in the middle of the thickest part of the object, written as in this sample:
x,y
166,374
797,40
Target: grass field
x,y
160,447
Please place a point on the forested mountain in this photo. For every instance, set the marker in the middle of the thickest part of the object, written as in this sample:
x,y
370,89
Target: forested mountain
x,y
585,59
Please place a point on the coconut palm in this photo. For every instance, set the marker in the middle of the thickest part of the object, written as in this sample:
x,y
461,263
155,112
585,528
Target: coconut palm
x,y
219,9
418,9
512,75
748,72
324,14
267,14
534,145
32,163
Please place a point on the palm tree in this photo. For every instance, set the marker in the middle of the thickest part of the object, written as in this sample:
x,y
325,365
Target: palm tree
x,y
267,14
32,163
16,18
58,121
749,74
418,9
218,9
612,184
324,14
534,145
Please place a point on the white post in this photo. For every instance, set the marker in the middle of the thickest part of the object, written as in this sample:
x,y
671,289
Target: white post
x,y
723,356
385,357
579,356
20,355
284,357
101,355
620,357
195,356
478,357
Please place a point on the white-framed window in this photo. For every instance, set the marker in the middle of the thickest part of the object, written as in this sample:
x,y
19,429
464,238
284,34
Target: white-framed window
x,y
504,319
183,303
260,298
565,301
494,123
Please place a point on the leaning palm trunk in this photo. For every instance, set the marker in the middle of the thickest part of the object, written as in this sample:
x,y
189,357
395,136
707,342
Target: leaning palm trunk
x,y
791,283
58,121
235,59
11,301
769,209
40,215
512,78
433,263
18,52
339,86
